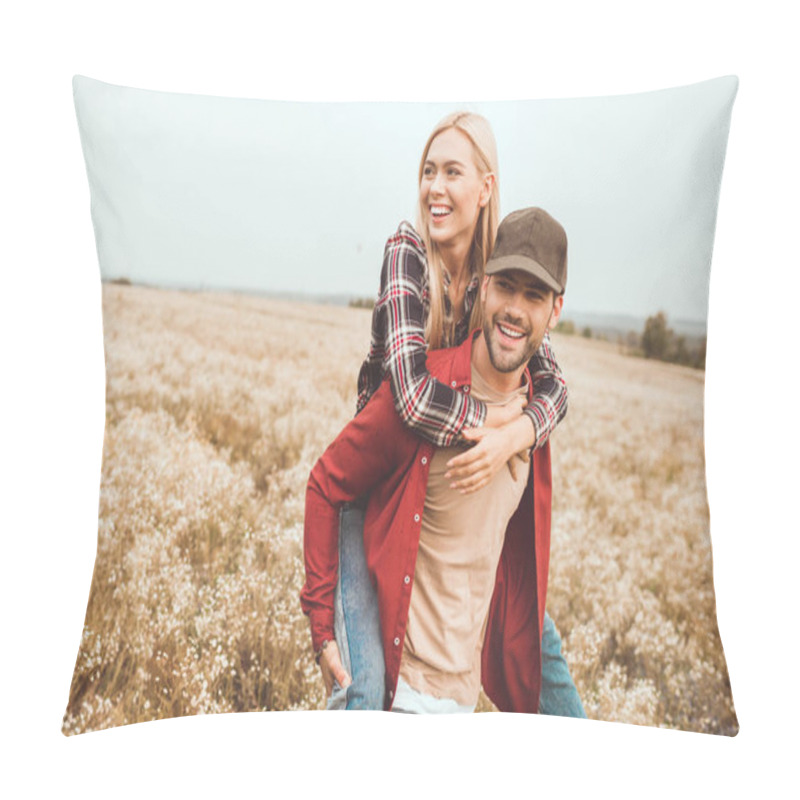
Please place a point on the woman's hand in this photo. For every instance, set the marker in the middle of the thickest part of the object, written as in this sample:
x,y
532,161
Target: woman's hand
x,y
498,416
494,447
474,469
331,665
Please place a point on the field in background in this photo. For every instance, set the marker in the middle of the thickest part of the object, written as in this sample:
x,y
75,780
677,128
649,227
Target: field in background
x,y
218,405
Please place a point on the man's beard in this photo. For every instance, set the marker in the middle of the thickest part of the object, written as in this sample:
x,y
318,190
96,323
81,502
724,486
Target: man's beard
x,y
509,360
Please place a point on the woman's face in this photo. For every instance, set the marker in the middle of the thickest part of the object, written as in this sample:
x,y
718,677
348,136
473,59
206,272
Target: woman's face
x,y
452,190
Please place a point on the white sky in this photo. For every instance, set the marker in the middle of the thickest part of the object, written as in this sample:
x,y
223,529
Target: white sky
x,y
252,194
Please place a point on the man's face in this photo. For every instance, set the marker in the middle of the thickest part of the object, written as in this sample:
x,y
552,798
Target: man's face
x,y
518,311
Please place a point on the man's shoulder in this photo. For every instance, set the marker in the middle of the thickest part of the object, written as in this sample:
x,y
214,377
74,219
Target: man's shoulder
x,y
379,424
451,364
440,360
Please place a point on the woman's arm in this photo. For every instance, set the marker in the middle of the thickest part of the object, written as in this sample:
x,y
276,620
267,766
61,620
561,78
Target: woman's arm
x,y
497,446
548,406
430,408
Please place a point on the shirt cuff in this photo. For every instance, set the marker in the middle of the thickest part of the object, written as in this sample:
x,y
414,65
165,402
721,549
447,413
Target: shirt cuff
x,y
319,634
539,437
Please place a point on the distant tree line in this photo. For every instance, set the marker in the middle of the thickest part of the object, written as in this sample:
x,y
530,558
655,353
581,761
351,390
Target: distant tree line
x,y
657,341
660,342
566,326
362,302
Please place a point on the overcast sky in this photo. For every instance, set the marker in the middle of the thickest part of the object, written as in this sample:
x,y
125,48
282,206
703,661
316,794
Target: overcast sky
x,y
252,194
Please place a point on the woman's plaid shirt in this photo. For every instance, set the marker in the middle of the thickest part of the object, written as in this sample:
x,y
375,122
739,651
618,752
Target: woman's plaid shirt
x,y
398,349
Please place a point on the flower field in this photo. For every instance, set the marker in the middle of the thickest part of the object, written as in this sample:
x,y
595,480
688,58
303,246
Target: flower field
x,y
217,407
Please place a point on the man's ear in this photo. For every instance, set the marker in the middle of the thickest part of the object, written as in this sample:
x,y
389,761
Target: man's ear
x,y
558,304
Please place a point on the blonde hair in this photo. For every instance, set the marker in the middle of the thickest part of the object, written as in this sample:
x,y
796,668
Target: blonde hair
x,y
484,149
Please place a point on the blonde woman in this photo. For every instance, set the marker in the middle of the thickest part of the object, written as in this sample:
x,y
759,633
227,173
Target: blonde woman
x,y
429,298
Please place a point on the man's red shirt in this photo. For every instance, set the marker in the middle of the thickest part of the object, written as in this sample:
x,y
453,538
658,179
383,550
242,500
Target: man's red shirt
x,y
377,454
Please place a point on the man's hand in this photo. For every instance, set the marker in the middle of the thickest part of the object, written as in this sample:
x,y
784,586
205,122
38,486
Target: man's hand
x,y
330,663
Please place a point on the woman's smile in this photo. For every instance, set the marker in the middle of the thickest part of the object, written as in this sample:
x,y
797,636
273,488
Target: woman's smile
x,y
439,212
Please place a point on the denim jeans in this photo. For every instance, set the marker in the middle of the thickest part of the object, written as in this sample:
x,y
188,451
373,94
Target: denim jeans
x,y
357,629
559,697
357,624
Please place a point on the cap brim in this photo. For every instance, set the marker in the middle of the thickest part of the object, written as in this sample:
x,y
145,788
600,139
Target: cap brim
x,y
495,265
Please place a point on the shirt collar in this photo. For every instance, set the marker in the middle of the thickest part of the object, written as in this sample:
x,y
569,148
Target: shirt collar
x,y
461,365
471,286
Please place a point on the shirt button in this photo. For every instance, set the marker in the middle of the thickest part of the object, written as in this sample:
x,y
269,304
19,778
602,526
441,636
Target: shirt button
x,y
424,460
466,389
416,517
396,641
407,579
453,384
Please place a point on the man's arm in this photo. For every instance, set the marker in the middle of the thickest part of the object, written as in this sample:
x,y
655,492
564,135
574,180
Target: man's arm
x,y
369,449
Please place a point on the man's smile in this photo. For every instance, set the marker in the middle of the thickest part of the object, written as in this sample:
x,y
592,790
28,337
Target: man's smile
x,y
512,333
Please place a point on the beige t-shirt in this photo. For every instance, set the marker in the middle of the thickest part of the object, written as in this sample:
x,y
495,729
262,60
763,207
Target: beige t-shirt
x,y
460,544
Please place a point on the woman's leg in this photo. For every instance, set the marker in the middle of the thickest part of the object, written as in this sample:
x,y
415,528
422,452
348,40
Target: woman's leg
x,y
559,697
356,619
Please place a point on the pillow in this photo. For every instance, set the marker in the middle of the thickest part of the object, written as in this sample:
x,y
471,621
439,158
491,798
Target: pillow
x,y
239,243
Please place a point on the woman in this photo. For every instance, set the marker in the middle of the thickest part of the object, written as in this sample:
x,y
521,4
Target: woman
x,y
429,298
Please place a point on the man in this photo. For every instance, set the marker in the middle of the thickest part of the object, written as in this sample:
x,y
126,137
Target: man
x,y
460,579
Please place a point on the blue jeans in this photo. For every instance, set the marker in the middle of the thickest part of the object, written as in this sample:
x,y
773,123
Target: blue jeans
x,y
559,697
357,628
357,624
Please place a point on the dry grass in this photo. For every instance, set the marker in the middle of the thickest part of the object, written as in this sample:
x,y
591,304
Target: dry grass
x,y
217,407
631,574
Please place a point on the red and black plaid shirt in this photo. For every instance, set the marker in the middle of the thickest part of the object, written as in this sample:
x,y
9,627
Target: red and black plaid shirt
x,y
432,409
